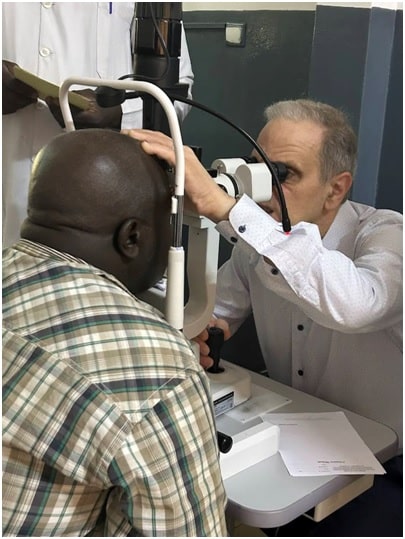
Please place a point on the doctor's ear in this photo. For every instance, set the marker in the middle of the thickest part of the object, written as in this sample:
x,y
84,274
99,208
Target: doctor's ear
x,y
126,238
339,186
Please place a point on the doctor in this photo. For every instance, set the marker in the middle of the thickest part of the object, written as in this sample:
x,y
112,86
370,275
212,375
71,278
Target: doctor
x,y
57,40
327,298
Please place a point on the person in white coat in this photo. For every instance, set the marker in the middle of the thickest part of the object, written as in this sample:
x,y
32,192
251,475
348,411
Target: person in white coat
x,y
57,40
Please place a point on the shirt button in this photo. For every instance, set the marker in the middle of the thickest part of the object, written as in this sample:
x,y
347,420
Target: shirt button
x,y
233,239
242,229
44,51
300,327
47,5
274,271
300,372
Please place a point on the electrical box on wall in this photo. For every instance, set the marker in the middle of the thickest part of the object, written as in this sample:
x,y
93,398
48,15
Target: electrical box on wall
x,y
235,34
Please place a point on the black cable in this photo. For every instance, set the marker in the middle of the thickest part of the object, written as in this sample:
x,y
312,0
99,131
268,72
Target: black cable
x,y
284,212
285,220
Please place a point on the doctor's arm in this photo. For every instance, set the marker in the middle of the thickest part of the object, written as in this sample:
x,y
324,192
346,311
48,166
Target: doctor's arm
x,y
350,295
203,195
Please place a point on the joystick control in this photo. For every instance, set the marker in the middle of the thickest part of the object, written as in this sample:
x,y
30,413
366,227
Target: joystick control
x,y
215,341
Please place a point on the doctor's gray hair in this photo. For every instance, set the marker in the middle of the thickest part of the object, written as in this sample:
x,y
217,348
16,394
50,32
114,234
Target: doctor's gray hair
x,y
338,152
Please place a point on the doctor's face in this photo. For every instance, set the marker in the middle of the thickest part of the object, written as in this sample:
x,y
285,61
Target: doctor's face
x,y
297,145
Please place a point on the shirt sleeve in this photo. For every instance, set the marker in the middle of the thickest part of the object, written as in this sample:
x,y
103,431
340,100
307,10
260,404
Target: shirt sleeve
x,y
167,476
352,296
186,76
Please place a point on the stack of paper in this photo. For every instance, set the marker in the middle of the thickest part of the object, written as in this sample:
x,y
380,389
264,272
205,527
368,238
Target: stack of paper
x,y
322,444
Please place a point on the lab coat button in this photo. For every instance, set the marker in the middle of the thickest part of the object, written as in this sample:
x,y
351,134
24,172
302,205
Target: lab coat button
x,y
44,51
242,229
47,5
274,271
300,372
300,327
233,239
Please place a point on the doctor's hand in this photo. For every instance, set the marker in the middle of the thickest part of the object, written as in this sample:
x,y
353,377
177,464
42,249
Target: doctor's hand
x,y
205,360
95,116
16,94
204,196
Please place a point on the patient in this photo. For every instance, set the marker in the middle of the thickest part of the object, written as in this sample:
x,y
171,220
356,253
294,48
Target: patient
x,y
108,424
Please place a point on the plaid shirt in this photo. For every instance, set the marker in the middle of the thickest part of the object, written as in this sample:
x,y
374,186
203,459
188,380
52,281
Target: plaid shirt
x,y
108,426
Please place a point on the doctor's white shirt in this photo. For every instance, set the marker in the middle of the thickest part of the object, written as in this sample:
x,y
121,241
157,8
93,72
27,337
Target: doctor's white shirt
x,y
57,40
328,311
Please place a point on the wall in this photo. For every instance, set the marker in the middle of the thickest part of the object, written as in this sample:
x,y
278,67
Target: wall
x,y
239,82
356,64
389,192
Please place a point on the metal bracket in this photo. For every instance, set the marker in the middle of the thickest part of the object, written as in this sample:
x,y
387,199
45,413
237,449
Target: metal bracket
x,y
235,32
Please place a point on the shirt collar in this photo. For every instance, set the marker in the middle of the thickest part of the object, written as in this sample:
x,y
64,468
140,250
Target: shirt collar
x,y
341,233
39,250
43,251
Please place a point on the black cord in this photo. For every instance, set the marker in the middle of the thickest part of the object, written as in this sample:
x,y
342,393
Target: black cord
x,y
285,220
284,212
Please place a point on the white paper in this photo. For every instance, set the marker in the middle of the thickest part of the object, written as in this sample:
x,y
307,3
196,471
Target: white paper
x,y
261,401
322,444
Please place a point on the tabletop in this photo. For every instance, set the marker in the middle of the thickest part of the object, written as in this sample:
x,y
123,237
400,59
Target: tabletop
x,y
265,495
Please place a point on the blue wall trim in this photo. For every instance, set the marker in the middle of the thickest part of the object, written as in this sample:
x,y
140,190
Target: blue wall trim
x,y
374,103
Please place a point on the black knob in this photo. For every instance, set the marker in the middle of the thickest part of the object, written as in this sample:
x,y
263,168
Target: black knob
x,y
215,341
109,97
225,442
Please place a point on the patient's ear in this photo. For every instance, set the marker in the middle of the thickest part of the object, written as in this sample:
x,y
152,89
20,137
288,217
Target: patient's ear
x,y
127,238
339,186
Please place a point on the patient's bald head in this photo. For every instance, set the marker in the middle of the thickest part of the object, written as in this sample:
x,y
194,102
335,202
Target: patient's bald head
x,y
96,195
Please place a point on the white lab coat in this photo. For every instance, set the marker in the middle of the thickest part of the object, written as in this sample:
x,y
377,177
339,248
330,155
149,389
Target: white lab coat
x,y
57,40
328,312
